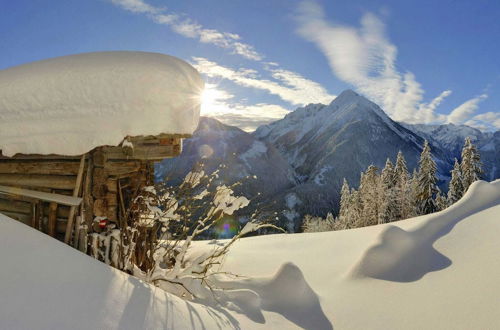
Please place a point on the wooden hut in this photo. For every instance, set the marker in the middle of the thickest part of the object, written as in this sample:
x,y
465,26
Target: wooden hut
x,y
60,194
62,170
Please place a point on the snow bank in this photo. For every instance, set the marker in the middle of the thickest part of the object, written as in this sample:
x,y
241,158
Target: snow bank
x,y
45,284
451,281
448,279
71,104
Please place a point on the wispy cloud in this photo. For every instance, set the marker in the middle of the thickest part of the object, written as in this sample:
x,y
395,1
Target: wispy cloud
x,y
465,111
223,106
289,86
485,121
365,58
191,29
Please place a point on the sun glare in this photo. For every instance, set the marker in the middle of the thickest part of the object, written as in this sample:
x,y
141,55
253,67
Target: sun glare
x,y
213,100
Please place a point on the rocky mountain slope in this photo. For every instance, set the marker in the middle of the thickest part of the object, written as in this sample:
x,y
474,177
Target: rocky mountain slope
x,y
301,160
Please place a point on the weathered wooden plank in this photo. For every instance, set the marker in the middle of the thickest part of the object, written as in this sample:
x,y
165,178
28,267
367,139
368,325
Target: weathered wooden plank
x,y
47,197
39,167
51,224
100,206
72,210
111,199
24,207
112,186
119,168
15,206
24,218
38,180
154,152
99,178
39,157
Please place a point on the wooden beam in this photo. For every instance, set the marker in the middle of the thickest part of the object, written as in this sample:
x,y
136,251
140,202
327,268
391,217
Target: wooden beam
x,y
38,157
24,218
153,152
38,167
14,192
15,206
52,219
38,181
114,168
72,210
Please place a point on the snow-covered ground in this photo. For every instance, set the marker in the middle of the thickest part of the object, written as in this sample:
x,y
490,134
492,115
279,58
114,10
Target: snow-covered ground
x,y
433,272
68,105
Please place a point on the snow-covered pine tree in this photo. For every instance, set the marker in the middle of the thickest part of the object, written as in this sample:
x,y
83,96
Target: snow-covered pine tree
x,y
368,190
426,189
402,188
387,207
455,190
470,165
354,217
441,201
412,194
345,199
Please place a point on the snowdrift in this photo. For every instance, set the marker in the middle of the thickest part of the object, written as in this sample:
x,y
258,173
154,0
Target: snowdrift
x,y
45,284
69,105
438,271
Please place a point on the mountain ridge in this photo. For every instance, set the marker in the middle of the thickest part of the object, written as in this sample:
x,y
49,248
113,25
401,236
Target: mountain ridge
x,y
301,160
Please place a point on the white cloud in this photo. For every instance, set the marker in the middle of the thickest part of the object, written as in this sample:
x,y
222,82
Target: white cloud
x,y
464,111
486,121
427,112
137,6
220,104
365,58
191,29
289,86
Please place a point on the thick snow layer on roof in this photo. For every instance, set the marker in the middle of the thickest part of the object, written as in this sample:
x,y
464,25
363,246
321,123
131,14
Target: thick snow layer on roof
x,y
71,104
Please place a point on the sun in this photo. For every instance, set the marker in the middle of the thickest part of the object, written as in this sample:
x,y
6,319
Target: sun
x,y
213,100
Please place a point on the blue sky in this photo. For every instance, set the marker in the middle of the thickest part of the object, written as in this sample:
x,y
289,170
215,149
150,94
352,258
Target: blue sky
x,y
421,61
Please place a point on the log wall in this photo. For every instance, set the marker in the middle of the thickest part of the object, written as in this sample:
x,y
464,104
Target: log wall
x,y
112,177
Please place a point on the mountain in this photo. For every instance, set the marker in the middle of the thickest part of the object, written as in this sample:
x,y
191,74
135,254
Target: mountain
x,y
301,160
327,143
451,138
214,143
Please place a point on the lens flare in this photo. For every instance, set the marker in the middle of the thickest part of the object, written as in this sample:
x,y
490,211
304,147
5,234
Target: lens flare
x,y
227,227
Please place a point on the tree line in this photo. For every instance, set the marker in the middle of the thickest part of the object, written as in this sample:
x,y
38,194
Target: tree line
x,y
394,194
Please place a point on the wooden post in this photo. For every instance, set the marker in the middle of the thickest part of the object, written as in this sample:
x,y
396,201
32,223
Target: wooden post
x,y
72,210
52,219
39,215
33,214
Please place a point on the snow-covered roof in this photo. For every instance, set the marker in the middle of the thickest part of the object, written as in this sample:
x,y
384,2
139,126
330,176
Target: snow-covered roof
x,y
69,105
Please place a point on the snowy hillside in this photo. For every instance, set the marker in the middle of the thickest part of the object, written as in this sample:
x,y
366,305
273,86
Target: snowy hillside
x,y
437,271
71,104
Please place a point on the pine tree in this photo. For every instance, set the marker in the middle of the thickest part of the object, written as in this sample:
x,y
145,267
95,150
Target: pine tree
x,y
441,201
387,196
368,190
412,195
470,165
354,218
345,200
402,180
426,189
455,190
